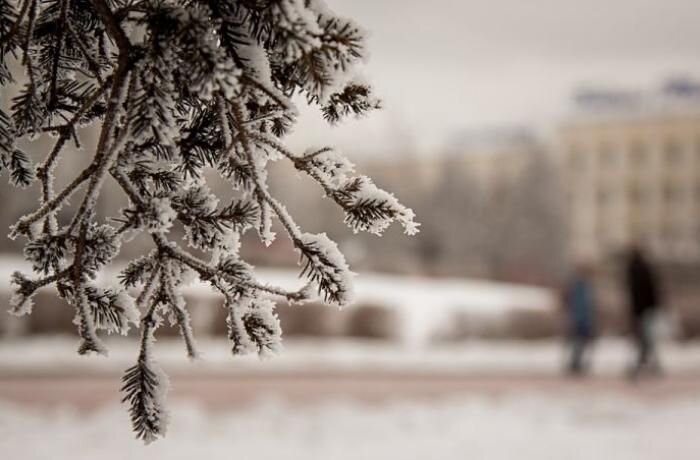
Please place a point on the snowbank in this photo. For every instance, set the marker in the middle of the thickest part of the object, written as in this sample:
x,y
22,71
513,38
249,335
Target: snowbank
x,y
423,305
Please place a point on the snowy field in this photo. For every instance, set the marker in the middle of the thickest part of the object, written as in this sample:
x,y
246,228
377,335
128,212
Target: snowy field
x,y
409,399
524,427
603,418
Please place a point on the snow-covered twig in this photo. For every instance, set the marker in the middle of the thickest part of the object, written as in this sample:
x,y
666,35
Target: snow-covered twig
x,y
177,87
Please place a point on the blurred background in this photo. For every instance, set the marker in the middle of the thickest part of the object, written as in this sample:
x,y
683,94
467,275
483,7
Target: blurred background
x,y
528,137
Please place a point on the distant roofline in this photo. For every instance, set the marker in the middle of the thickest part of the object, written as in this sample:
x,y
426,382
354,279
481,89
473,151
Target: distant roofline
x,y
677,97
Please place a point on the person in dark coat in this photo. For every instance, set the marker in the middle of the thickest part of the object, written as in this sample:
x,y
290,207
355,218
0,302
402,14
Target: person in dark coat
x,y
579,307
643,301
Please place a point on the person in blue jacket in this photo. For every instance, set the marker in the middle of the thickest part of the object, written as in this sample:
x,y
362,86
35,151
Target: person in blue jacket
x,y
579,306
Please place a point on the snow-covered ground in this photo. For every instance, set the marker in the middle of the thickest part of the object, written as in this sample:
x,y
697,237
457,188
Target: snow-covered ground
x,y
525,422
534,427
609,357
603,419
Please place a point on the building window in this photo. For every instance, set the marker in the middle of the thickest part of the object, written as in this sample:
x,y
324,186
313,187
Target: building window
x,y
606,155
671,193
635,194
603,196
673,152
638,155
575,158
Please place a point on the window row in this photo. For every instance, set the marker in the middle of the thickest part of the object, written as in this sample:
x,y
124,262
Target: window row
x,y
637,154
672,194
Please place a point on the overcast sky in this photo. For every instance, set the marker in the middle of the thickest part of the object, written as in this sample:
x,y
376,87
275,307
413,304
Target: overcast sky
x,y
446,65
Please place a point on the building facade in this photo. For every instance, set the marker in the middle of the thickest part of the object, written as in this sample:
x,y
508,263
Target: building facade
x,y
631,170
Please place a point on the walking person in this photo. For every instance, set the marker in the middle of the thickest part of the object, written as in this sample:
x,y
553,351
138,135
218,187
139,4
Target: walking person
x,y
580,311
643,302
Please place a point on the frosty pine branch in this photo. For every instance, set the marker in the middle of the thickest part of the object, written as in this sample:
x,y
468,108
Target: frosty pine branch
x,y
176,87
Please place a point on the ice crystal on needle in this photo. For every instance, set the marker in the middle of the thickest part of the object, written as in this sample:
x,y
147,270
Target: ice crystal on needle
x,y
175,87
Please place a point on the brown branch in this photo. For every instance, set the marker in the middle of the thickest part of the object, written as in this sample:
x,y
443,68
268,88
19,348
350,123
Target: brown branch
x,y
271,92
300,163
22,226
148,288
44,170
261,189
113,27
104,157
45,281
34,5
204,270
57,54
92,64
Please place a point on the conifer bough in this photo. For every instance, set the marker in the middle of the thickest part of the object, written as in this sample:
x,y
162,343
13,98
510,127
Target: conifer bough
x,y
176,87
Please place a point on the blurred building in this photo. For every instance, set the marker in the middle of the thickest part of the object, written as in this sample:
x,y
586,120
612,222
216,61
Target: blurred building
x,y
631,169
489,158
494,159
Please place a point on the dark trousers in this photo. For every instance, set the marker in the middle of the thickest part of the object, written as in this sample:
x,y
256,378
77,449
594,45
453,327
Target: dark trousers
x,y
647,358
577,360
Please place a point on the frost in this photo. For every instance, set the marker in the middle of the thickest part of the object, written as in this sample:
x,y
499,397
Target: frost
x,y
256,60
369,208
155,114
301,23
308,293
180,92
325,265
185,275
331,166
161,216
21,302
177,308
320,8
90,343
128,306
157,408
146,387
21,305
229,245
266,234
254,327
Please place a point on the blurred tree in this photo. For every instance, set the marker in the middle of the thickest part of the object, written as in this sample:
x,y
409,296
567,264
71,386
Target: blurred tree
x,y
177,87
524,234
449,239
510,229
